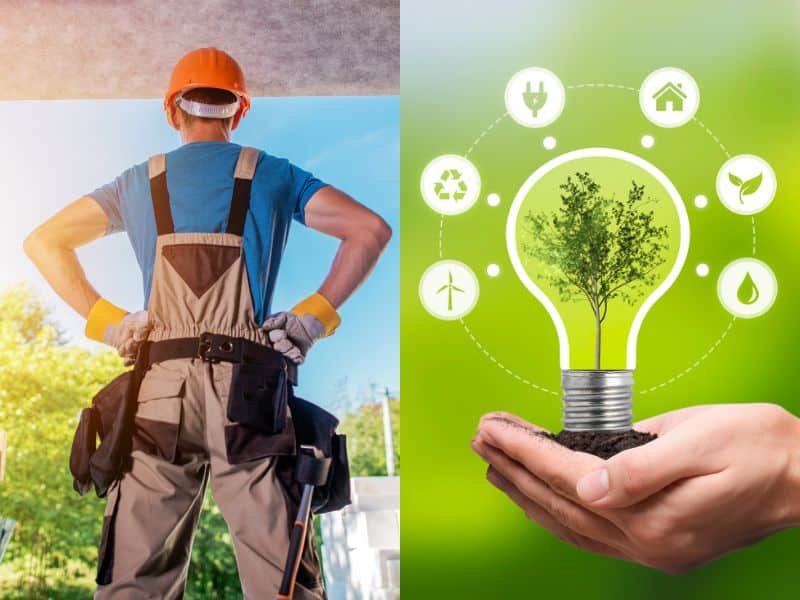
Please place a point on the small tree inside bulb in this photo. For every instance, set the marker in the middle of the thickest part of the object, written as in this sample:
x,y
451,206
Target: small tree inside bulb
x,y
597,236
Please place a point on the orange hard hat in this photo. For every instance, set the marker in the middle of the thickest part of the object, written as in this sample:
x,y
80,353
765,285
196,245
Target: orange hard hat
x,y
208,68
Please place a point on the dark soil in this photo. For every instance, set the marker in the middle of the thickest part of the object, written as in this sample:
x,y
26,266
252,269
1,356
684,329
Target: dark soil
x,y
601,443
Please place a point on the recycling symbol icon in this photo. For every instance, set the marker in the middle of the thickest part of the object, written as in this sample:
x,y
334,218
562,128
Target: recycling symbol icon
x,y
450,186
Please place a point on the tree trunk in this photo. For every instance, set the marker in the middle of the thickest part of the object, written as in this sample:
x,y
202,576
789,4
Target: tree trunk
x,y
597,342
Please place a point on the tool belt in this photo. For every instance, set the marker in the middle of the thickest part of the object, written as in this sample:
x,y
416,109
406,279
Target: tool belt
x,y
261,404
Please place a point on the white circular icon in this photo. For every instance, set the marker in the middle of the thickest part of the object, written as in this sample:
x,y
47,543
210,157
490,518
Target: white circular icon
x,y
449,290
747,288
450,184
669,97
535,97
746,184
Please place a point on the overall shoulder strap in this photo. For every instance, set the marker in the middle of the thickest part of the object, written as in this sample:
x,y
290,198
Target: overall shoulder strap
x,y
157,171
243,178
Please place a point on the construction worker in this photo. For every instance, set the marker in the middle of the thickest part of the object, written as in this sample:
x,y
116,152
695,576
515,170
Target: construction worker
x,y
208,222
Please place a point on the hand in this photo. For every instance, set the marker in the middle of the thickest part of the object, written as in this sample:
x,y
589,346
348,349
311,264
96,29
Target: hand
x,y
128,335
292,335
717,478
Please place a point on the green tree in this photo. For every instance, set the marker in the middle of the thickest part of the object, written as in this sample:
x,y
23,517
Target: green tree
x,y
43,385
598,248
365,445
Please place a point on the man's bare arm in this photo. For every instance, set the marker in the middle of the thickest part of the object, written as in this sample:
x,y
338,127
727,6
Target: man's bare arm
x,y
51,247
363,235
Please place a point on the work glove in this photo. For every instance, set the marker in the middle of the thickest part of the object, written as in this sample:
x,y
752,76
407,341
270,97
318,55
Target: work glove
x,y
115,327
292,333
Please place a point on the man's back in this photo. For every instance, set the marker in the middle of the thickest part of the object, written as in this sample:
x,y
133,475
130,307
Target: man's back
x,y
200,183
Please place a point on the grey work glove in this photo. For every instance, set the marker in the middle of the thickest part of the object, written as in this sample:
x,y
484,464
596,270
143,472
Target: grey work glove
x,y
292,335
128,335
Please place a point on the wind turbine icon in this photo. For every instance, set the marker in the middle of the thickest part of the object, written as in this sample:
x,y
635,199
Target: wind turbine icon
x,y
450,287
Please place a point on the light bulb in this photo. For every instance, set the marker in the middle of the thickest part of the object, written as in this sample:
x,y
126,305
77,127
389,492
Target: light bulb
x,y
595,398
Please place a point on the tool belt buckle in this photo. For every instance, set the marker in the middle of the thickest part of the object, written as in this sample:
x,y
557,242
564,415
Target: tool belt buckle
x,y
215,348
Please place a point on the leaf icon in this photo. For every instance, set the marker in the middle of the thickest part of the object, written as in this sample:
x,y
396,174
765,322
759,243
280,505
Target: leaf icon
x,y
746,187
751,185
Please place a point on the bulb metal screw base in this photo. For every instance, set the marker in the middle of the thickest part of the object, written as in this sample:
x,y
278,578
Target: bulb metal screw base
x,y
597,400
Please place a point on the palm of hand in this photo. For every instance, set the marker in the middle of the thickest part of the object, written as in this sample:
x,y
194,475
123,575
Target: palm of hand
x,y
716,479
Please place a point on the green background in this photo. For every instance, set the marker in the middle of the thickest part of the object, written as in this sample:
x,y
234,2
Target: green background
x,y
461,538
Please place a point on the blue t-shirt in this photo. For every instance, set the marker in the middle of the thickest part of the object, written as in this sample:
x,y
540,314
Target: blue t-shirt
x,y
200,185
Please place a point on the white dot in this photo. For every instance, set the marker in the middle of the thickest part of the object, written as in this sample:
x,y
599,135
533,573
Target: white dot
x,y
493,270
493,199
648,141
702,270
700,201
549,142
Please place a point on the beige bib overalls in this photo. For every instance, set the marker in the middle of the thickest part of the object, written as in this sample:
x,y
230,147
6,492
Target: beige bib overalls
x,y
182,433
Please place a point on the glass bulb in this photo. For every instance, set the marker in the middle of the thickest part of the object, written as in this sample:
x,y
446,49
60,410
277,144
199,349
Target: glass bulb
x,y
597,254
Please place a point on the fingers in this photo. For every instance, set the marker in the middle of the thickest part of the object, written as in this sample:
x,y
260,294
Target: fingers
x,y
539,515
633,475
277,321
280,341
559,467
662,423
563,510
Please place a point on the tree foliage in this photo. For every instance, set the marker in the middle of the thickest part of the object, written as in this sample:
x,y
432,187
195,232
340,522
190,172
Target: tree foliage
x,y
365,443
598,247
43,385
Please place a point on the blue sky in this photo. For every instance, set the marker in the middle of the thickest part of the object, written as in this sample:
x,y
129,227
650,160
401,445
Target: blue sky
x,y
57,151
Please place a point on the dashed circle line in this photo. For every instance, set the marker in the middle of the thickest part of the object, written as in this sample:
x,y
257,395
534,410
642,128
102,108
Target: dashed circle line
x,y
502,366
601,85
695,364
713,137
484,132
727,155
542,388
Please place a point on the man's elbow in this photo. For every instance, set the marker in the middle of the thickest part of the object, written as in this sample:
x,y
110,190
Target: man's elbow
x,y
36,244
381,231
32,243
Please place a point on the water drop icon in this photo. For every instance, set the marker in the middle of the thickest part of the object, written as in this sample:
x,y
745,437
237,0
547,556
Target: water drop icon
x,y
747,292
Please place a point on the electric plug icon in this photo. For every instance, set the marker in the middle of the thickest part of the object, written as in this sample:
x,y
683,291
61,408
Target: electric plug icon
x,y
534,100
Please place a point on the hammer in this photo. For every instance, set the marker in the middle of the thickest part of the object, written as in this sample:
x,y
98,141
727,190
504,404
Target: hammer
x,y
311,470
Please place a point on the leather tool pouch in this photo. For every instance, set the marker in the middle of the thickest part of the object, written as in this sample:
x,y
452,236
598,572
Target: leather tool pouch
x,y
259,396
110,417
84,445
315,426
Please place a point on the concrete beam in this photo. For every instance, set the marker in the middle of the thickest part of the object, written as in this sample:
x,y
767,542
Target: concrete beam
x,y
126,49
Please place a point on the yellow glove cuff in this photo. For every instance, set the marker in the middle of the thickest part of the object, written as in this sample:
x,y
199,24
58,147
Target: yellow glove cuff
x,y
103,313
318,307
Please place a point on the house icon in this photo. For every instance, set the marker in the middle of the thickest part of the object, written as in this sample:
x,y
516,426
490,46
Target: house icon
x,y
670,98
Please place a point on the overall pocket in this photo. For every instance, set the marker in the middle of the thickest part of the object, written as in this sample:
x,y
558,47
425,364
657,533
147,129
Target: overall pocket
x,y
259,422
157,420
259,397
